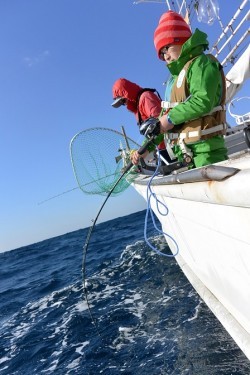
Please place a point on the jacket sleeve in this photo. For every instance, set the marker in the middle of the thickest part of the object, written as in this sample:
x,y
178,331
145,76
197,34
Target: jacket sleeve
x,y
149,105
204,82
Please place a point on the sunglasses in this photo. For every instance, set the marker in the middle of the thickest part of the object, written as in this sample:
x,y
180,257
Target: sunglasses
x,y
123,101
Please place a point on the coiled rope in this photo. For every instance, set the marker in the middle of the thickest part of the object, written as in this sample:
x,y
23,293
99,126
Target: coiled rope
x,y
150,195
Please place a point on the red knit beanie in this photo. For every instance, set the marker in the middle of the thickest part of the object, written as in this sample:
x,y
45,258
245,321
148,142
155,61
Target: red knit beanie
x,y
172,29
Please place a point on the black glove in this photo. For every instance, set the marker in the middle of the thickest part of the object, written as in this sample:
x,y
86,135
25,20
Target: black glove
x,y
150,127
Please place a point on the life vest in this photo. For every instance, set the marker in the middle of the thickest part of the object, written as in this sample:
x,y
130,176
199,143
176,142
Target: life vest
x,y
205,127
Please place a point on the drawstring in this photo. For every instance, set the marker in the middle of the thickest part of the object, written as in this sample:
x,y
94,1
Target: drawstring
x,y
151,195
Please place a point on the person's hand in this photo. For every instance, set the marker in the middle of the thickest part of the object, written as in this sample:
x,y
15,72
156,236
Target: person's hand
x,y
150,127
164,124
135,156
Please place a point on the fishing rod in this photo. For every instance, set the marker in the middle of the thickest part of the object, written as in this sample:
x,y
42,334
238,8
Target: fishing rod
x,y
141,151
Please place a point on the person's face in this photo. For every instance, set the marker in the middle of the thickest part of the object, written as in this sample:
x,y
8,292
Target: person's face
x,y
171,52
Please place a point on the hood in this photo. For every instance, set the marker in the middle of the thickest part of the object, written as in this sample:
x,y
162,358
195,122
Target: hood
x,y
193,47
124,88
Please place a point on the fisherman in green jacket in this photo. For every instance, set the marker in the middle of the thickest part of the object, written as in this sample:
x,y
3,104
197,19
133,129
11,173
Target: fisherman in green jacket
x,y
194,108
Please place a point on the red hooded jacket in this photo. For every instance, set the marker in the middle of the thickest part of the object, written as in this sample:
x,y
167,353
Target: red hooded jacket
x,y
149,104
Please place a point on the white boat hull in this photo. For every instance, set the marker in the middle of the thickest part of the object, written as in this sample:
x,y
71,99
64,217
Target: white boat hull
x,y
210,221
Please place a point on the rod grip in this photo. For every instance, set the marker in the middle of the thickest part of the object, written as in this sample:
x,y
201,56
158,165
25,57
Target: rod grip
x,y
144,147
141,151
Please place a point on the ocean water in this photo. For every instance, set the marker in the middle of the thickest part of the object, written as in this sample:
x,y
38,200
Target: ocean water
x,y
147,317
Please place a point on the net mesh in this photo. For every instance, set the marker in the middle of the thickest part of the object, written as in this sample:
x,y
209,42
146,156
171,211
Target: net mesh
x,y
97,162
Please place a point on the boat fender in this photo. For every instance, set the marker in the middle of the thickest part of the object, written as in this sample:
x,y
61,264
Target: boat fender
x,y
246,133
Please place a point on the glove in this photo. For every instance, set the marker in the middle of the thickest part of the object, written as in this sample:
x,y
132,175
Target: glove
x,y
150,127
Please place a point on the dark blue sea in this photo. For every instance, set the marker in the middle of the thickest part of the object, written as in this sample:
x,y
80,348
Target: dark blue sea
x,y
147,317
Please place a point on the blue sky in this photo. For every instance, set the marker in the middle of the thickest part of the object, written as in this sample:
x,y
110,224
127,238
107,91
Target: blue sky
x,y
58,63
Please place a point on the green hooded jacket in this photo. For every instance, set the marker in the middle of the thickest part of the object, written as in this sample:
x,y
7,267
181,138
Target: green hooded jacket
x,y
205,87
203,80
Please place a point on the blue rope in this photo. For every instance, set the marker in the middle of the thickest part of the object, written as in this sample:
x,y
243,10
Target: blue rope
x,y
151,194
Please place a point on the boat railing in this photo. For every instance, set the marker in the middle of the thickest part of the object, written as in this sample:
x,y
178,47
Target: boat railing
x,y
241,16
237,26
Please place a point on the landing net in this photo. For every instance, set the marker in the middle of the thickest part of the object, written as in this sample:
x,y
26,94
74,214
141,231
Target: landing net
x,y
97,161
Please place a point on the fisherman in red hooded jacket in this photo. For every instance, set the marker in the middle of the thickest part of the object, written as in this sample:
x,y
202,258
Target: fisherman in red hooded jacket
x,y
143,102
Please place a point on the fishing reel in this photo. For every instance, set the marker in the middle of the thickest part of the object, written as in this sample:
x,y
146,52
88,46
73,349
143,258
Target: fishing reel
x,y
150,128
